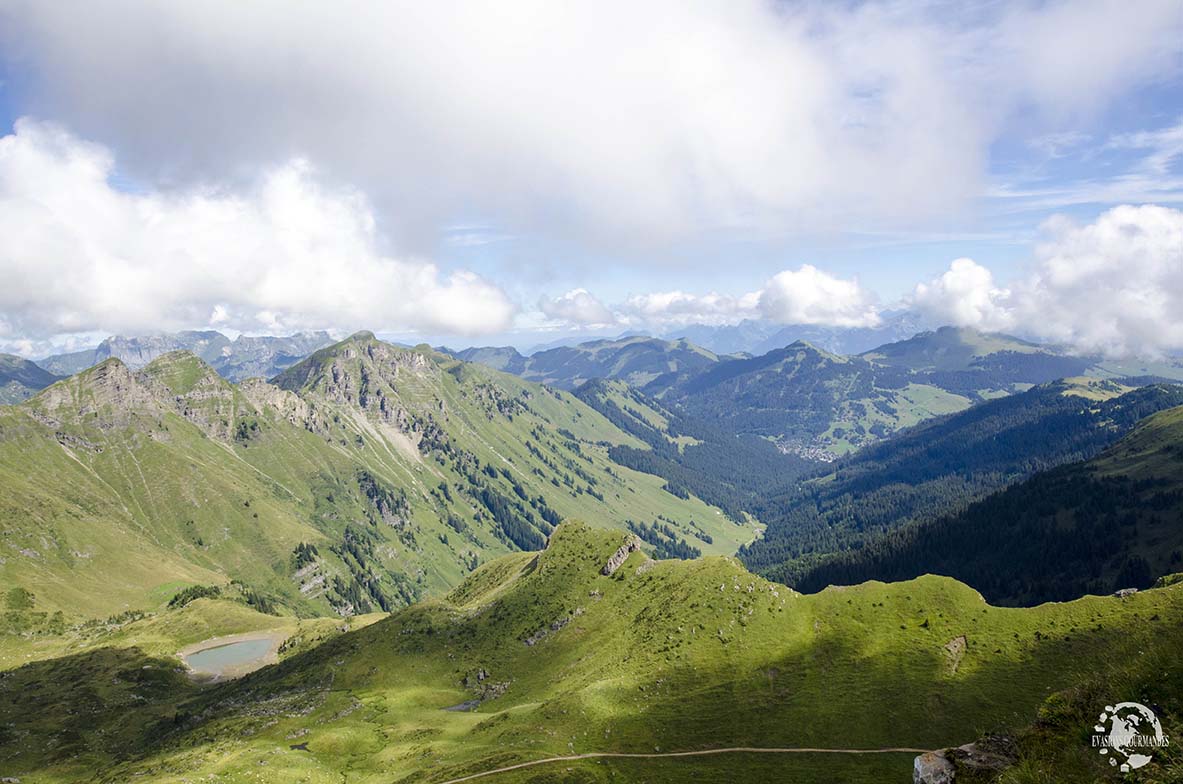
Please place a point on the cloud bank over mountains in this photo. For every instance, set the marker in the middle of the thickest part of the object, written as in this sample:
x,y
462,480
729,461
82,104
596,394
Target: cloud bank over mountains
x,y
1113,286
294,253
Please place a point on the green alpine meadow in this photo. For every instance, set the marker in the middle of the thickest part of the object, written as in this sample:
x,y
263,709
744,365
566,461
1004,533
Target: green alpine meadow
x,y
595,392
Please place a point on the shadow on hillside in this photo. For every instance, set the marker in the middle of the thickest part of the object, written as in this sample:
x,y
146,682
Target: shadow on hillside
x,y
872,693
86,711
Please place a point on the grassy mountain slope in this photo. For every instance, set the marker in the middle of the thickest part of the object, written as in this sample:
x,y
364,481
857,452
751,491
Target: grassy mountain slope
x,y
729,471
804,398
939,468
949,348
552,657
366,477
505,358
20,379
1112,522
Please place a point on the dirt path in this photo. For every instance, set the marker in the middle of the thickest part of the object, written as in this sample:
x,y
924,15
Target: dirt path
x,y
700,753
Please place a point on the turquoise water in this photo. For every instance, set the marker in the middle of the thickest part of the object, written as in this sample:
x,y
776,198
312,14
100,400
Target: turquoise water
x,y
216,660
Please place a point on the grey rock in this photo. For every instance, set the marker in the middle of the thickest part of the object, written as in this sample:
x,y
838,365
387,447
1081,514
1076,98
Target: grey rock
x,y
932,767
620,556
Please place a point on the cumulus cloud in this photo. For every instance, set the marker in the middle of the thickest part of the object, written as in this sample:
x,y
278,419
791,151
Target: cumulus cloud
x,y
1113,286
611,119
285,253
810,296
966,296
577,307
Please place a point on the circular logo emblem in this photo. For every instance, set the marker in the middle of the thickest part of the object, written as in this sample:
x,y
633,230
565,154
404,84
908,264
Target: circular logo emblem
x,y
1127,733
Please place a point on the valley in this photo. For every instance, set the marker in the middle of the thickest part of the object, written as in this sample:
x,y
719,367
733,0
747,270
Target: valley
x,y
390,564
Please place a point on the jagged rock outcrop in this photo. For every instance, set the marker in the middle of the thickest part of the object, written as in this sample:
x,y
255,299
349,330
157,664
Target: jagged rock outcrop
x,y
194,390
365,373
620,556
288,405
989,755
109,393
932,768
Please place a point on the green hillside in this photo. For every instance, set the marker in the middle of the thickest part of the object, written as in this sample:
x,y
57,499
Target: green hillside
x,y
642,362
730,471
950,349
807,399
20,379
545,655
1113,522
939,468
810,402
365,478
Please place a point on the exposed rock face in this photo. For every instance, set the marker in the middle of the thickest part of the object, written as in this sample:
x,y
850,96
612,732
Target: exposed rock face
x,y
139,351
196,392
932,768
620,556
955,651
263,357
109,392
288,405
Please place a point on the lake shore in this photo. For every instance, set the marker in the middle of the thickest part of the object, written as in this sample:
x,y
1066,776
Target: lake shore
x,y
274,637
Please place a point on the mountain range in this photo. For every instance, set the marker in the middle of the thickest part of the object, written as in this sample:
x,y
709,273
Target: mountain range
x,y
810,401
760,337
365,476
238,359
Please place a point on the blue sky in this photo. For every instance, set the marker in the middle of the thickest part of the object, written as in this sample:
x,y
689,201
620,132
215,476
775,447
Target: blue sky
x,y
471,177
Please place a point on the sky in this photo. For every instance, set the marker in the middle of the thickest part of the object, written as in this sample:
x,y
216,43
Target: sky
x,y
474,173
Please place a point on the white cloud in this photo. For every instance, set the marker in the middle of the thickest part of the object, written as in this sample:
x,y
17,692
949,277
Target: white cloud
x,y
610,119
664,309
810,296
577,307
285,253
1113,286
965,296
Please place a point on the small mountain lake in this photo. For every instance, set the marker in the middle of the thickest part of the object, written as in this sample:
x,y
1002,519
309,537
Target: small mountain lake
x,y
232,657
